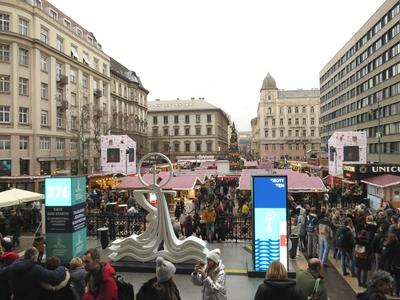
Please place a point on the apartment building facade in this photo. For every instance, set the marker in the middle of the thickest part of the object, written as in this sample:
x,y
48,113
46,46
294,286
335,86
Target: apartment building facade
x,y
187,128
128,106
287,123
360,86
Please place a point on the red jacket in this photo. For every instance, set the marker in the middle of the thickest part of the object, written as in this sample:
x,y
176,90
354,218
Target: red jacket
x,y
108,290
9,257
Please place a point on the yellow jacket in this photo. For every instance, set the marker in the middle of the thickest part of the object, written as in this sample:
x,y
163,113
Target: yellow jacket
x,y
209,216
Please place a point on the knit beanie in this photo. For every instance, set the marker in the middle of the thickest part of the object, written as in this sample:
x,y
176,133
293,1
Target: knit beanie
x,y
214,255
164,269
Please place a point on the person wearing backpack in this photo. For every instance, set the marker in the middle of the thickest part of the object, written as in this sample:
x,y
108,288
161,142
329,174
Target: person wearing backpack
x,y
307,280
362,252
345,244
301,221
312,238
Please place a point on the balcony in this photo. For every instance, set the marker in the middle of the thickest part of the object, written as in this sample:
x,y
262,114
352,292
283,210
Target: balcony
x,y
63,105
62,79
97,93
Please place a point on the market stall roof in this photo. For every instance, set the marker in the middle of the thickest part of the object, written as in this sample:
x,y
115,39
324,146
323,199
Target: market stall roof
x,y
297,182
182,183
133,182
17,196
250,164
383,181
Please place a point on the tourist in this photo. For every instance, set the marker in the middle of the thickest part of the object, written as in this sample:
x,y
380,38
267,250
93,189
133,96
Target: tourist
x,y
362,252
391,258
325,235
100,279
78,274
161,287
277,285
312,238
58,290
345,243
379,285
39,243
8,256
306,280
16,223
211,277
28,274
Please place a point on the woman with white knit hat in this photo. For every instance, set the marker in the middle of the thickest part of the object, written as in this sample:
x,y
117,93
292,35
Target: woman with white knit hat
x,y
211,276
161,287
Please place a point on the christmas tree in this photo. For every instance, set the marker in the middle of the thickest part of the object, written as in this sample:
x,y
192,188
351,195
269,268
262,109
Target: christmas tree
x,y
234,155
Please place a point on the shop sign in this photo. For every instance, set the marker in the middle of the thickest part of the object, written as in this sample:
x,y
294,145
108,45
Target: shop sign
x,y
359,172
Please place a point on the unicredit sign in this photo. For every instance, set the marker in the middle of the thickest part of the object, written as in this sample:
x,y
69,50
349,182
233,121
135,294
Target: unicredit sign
x,y
359,172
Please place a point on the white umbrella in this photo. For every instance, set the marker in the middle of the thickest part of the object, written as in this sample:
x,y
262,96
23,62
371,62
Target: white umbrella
x,y
17,196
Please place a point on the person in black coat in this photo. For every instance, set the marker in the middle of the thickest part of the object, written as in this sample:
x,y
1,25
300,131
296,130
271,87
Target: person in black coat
x,y
391,258
277,285
24,276
379,285
161,287
363,257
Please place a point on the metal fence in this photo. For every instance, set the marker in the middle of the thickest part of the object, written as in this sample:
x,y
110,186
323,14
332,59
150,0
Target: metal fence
x,y
119,226
227,228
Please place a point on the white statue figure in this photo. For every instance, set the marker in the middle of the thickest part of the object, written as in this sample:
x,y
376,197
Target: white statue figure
x,y
144,247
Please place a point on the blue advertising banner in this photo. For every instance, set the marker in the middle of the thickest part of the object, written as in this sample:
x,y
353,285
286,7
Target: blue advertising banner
x,y
269,221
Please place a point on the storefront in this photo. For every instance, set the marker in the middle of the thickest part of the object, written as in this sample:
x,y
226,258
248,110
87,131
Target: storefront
x,y
383,189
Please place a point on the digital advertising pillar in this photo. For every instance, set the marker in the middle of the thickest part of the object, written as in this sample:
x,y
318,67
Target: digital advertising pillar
x,y
269,221
65,200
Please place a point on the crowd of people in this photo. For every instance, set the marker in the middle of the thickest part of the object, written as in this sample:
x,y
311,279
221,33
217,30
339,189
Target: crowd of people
x,y
362,239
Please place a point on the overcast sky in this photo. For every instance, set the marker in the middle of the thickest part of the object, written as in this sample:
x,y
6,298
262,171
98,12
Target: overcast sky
x,y
221,49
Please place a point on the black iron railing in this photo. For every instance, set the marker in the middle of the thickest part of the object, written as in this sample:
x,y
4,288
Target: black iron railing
x,y
227,228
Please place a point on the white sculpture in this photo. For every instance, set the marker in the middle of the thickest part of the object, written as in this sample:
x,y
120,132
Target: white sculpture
x,y
144,247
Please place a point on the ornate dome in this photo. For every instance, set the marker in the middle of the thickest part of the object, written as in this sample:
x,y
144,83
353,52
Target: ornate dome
x,y
269,83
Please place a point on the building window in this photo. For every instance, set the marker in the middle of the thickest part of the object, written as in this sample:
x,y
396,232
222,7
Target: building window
x,y
74,122
73,99
187,119
72,76
60,144
23,86
289,110
166,133
4,83
155,131
176,131
209,146
289,121
155,120
198,130
281,122
58,70
74,145
197,118
86,61
165,119
198,146
304,132
5,142
312,121
43,63
296,121
296,110
67,24
79,31
187,131
23,115
187,147
23,142
105,68
176,119
281,133
44,90
303,109
297,146
273,122
53,14
297,133
95,63
59,120
304,121
289,133
44,143
273,133
4,22
74,52
176,147
166,147
44,35
312,109
266,133
266,147
4,53
4,114
312,132
85,81
60,44
208,118
23,56
209,130
23,26
44,118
